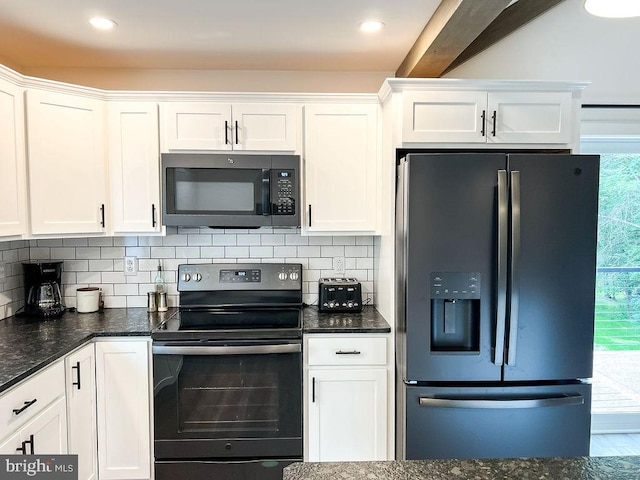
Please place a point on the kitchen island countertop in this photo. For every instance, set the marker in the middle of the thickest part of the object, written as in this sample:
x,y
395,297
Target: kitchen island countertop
x,y
576,468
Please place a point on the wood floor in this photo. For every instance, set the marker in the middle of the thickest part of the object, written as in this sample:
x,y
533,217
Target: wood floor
x,y
615,445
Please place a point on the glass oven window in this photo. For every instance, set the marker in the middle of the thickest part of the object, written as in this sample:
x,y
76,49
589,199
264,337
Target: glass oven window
x,y
230,396
216,191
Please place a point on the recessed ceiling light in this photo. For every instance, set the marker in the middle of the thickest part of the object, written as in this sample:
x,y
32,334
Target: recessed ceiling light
x,y
371,26
102,23
613,8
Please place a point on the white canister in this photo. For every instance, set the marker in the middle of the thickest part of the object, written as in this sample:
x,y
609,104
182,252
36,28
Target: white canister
x,y
87,299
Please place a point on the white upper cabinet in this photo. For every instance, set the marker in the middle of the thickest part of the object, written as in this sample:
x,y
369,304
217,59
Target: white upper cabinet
x,y
13,214
224,126
341,165
134,163
509,117
66,159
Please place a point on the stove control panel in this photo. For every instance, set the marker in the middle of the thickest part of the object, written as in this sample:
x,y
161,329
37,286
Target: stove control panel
x,y
217,277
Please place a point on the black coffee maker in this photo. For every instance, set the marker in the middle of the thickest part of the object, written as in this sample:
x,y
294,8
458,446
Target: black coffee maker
x,y
42,289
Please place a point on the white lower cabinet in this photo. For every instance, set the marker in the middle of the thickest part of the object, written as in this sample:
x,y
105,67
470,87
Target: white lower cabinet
x,y
123,406
33,415
346,398
81,410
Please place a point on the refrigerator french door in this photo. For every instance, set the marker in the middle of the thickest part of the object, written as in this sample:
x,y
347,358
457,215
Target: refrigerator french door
x,y
496,263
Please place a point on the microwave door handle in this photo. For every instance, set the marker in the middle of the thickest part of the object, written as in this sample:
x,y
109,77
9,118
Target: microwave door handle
x,y
266,191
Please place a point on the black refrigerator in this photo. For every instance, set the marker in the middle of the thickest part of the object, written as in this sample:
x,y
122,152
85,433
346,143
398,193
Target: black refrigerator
x,y
496,257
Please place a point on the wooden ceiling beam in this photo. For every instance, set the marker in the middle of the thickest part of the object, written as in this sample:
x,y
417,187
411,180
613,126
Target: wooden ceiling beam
x,y
453,27
512,18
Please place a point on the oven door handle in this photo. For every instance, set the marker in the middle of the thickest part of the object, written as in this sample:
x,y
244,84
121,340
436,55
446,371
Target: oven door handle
x,y
226,350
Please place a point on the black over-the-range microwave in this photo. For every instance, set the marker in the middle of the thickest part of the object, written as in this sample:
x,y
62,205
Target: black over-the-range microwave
x,y
230,191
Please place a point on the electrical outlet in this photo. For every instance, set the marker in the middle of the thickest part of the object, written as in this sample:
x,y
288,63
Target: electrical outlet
x,y
338,265
3,271
130,265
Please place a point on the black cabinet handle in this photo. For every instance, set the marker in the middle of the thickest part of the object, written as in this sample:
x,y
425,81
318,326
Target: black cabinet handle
x,y
77,367
102,215
493,117
18,411
237,133
23,448
351,352
226,132
31,442
153,215
483,130
309,215
313,390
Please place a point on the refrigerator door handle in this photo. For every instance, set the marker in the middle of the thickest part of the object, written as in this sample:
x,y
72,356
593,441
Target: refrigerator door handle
x,y
501,403
514,286
501,304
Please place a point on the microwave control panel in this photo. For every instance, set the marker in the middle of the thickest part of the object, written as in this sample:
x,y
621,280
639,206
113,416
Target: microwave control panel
x,y
283,193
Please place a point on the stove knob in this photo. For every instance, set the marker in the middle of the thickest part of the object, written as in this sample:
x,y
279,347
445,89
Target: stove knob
x,y
186,277
197,277
350,304
332,304
294,275
282,276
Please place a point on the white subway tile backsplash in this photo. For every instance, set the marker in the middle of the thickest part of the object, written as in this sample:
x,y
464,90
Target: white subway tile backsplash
x,y
88,277
100,260
247,240
360,251
100,241
261,252
310,251
276,239
138,252
199,240
224,240
189,252
236,252
333,251
320,240
113,277
112,252
212,252
295,239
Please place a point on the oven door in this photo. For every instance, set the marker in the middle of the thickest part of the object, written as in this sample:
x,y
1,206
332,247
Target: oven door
x,y
227,400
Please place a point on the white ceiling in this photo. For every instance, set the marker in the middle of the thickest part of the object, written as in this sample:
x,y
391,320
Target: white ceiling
x,y
212,34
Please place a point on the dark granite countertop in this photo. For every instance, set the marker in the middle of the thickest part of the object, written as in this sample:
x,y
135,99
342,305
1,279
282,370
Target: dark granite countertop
x,y
27,345
367,321
578,468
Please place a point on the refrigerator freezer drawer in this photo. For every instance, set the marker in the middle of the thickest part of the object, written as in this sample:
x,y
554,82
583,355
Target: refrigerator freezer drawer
x,y
497,422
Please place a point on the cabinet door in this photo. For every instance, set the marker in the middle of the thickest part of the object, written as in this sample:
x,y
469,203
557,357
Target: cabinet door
x,y
66,146
196,126
49,430
264,127
135,167
347,415
444,117
46,433
341,168
81,410
122,382
529,117
12,162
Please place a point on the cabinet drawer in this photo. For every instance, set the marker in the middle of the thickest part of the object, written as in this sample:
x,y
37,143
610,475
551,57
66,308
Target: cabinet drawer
x,y
347,351
43,387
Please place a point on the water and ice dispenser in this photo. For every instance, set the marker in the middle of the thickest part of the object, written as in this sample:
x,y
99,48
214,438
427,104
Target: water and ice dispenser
x,y
455,312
